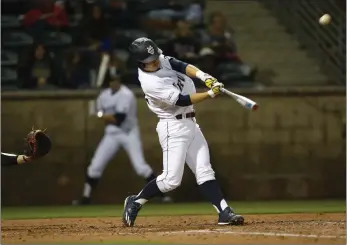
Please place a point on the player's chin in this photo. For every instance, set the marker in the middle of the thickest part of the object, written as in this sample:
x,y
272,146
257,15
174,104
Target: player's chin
x,y
154,64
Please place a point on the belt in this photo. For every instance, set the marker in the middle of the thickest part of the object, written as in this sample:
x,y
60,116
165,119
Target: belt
x,y
187,115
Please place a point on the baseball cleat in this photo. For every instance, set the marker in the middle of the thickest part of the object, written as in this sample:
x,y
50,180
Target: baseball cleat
x,y
228,217
131,209
83,201
166,199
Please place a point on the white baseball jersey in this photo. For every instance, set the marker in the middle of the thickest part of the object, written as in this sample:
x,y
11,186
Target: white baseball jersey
x,y
122,101
162,89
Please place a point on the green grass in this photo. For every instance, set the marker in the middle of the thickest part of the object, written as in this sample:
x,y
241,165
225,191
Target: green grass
x,y
274,207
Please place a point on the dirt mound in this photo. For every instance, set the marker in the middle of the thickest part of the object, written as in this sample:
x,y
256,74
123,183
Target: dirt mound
x,y
260,229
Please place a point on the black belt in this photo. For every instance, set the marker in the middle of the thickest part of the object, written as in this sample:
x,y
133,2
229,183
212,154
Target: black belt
x,y
187,115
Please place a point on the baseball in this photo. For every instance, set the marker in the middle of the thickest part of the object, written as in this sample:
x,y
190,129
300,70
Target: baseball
x,y
325,19
100,113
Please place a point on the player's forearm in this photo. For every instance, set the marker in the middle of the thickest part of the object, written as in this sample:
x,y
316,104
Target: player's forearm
x,y
109,119
116,119
199,97
195,72
192,71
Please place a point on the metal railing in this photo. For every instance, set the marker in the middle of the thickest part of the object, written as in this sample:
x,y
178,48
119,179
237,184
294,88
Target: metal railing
x,y
326,43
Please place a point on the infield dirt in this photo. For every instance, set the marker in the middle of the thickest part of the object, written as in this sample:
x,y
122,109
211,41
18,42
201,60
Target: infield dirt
x,y
260,229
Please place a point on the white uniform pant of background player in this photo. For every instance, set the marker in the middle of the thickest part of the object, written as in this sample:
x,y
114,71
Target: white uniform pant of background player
x,y
182,141
109,146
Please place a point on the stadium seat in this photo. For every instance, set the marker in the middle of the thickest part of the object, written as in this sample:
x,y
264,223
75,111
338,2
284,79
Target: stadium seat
x,y
56,39
8,76
10,22
132,34
17,39
9,58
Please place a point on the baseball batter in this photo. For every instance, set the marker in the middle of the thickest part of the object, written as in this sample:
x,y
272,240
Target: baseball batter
x,y
170,93
116,105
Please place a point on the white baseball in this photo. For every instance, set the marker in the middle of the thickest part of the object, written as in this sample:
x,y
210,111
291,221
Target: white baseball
x,y
325,19
100,113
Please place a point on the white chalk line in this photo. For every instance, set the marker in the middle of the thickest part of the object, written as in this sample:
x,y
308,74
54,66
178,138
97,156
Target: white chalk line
x,y
250,233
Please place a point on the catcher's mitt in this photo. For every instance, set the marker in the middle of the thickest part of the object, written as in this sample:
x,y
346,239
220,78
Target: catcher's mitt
x,y
38,144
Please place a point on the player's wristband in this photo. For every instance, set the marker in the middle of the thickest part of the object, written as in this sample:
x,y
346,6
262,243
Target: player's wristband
x,y
211,94
201,75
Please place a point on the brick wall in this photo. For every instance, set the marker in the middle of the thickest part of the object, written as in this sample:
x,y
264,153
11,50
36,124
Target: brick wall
x,y
291,148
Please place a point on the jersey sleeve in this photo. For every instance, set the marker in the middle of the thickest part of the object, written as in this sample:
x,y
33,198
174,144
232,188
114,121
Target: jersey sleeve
x,y
165,92
177,65
125,104
98,105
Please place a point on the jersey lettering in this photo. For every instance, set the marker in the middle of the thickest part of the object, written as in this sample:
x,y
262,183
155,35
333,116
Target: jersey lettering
x,y
180,82
179,85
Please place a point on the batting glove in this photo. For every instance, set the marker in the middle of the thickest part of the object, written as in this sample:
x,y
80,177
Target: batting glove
x,y
216,89
206,78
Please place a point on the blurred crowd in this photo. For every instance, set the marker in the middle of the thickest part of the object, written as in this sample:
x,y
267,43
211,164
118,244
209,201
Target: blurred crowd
x,y
49,44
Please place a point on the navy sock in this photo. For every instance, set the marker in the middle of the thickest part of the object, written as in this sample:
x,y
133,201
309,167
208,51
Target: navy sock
x,y
92,181
211,191
90,184
151,177
154,177
149,191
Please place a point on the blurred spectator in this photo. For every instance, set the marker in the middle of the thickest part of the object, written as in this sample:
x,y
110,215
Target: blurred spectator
x,y
39,70
96,30
72,7
116,65
45,15
122,16
208,61
194,13
184,44
77,72
220,39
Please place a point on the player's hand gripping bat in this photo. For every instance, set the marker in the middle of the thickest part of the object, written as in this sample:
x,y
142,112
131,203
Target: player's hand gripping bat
x,y
243,101
208,80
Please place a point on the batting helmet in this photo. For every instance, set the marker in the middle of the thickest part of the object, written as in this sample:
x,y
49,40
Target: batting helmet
x,y
144,50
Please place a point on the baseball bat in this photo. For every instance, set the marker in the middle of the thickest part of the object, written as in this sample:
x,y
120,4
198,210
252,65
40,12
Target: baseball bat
x,y
102,70
243,101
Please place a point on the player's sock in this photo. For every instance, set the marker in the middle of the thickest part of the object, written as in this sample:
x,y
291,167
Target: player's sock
x,y
211,191
149,191
89,185
152,177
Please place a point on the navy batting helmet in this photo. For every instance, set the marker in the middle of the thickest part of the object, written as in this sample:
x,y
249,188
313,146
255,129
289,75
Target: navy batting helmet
x,y
144,50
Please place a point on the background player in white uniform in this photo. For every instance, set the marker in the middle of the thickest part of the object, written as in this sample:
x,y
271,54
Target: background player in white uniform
x,y
170,94
116,105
